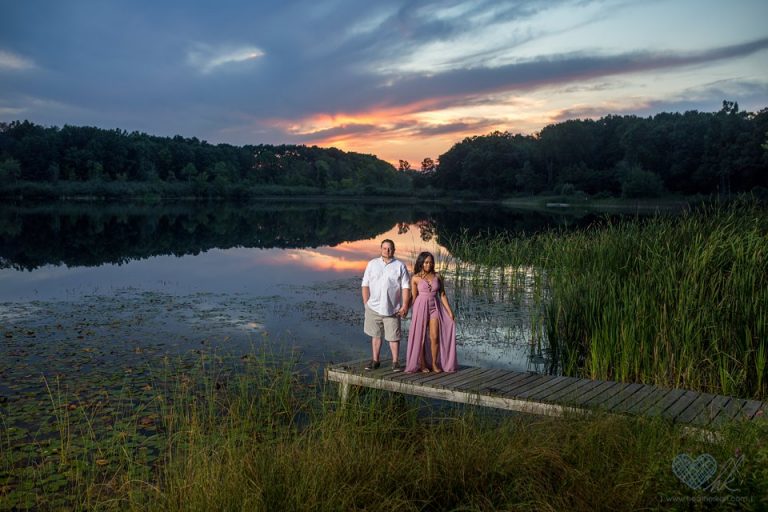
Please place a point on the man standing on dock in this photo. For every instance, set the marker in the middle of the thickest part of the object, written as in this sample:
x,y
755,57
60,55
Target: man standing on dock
x,y
386,295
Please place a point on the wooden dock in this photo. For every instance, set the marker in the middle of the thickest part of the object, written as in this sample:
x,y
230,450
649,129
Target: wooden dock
x,y
549,395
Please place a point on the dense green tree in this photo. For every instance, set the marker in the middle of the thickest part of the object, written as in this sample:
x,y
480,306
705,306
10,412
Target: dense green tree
x,y
637,182
688,153
97,156
10,170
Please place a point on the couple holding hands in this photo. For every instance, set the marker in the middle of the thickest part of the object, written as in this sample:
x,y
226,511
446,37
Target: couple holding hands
x,y
387,292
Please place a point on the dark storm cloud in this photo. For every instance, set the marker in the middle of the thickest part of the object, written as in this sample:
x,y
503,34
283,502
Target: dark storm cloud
x,y
554,70
460,127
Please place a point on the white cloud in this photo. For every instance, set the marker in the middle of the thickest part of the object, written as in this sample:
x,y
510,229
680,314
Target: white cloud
x,y
370,24
207,58
14,62
11,111
46,110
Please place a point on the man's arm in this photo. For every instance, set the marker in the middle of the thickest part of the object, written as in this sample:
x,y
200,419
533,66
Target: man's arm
x,y
405,292
406,302
366,279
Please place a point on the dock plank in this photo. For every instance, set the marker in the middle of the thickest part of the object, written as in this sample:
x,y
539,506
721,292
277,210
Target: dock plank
x,y
696,407
432,378
607,393
750,408
445,380
646,403
508,387
762,413
665,403
493,386
462,380
548,394
729,412
680,405
620,397
549,384
479,381
578,399
552,393
521,385
565,383
426,378
636,398
423,378
708,413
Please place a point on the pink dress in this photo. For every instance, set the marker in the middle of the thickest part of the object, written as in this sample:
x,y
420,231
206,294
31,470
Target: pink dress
x,y
426,303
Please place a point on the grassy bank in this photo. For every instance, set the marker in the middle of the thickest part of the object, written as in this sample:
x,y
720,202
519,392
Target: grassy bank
x,y
672,301
98,190
262,438
672,203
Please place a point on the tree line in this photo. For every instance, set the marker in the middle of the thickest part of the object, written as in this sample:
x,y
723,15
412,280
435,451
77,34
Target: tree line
x,y
680,153
670,153
30,153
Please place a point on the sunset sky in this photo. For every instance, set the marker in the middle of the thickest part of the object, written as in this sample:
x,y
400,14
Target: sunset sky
x,y
398,79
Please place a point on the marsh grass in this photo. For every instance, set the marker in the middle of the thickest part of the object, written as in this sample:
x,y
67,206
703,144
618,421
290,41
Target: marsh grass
x,y
97,446
672,301
266,438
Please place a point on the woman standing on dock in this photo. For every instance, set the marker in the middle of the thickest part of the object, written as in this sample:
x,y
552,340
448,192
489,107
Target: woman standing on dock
x,y
432,321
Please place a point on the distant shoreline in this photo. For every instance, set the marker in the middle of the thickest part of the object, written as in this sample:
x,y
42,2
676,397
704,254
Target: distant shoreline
x,y
615,204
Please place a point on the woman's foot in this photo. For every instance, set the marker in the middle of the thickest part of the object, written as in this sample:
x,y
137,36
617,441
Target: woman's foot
x,y
424,370
437,370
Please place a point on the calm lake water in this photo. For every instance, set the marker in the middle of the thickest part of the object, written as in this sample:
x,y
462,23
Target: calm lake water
x,y
86,288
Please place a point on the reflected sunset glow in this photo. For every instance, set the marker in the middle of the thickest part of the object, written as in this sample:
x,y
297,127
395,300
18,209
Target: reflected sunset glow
x,y
352,257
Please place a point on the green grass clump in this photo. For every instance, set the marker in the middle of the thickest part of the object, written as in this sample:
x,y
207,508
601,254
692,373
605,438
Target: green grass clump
x,y
265,438
672,301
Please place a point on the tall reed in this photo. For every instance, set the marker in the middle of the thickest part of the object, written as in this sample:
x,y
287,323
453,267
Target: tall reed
x,y
673,301
264,438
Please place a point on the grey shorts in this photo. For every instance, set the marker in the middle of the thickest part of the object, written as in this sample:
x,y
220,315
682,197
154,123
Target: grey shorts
x,y
379,326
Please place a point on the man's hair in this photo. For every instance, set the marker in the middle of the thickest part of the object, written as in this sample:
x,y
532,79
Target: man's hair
x,y
388,241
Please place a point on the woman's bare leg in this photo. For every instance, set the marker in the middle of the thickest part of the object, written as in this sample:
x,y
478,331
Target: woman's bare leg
x,y
434,338
422,367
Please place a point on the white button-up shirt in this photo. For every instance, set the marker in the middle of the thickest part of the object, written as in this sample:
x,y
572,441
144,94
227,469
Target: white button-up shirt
x,y
385,280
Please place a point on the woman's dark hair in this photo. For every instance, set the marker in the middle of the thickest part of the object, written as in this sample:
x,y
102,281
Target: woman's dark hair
x,y
419,265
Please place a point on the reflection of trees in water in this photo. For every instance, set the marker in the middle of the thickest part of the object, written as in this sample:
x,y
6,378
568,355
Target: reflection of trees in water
x,y
89,235
86,236
426,227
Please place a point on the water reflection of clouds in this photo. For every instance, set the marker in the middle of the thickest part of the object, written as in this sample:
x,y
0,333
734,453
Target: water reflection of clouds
x,y
354,256
320,260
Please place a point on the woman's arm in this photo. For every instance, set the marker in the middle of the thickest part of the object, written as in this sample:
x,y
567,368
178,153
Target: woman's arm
x,y
414,288
444,297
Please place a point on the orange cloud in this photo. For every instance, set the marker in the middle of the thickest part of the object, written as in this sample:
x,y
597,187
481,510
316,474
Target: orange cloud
x,y
409,132
413,131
